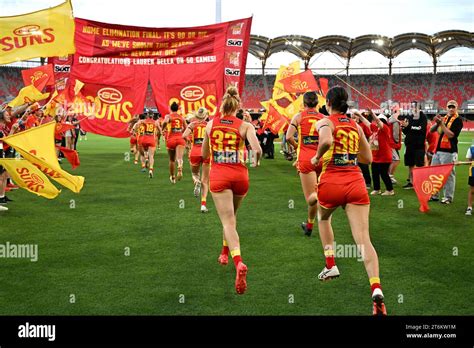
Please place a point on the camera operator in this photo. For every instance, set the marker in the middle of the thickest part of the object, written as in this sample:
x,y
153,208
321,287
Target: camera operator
x,y
414,128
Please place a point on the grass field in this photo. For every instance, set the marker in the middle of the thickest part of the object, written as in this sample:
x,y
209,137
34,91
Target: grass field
x,y
173,250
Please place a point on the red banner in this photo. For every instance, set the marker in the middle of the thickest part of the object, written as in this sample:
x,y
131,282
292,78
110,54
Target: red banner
x,y
61,69
192,66
428,181
39,77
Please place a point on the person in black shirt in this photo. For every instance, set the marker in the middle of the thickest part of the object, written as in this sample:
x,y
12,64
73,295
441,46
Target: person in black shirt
x,y
448,128
414,128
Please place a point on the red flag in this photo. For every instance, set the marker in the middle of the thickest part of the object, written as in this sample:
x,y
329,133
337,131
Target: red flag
x,y
62,128
274,121
300,83
428,181
324,84
39,77
71,156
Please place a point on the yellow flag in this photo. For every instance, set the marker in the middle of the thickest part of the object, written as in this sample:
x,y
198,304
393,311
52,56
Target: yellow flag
x,y
50,107
295,107
37,146
284,72
321,101
44,33
27,176
26,95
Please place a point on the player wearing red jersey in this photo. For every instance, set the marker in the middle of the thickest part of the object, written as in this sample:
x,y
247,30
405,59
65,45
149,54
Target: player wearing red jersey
x,y
139,130
175,125
148,141
341,145
305,124
196,130
133,138
224,143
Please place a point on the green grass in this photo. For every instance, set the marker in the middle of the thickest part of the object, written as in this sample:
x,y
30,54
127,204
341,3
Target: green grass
x,y
174,251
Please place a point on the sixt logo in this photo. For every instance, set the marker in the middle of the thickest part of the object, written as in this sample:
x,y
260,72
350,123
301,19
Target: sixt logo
x,y
109,95
62,68
232,72
192,93
235,43
26,35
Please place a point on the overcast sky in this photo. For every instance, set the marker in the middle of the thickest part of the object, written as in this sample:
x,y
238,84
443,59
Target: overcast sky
x,y
273,18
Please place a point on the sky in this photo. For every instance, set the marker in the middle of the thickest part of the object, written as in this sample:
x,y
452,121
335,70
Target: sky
x,y
272,18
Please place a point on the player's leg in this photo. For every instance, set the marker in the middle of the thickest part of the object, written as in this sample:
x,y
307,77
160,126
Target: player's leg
x,y
204,186
151,159
326,234
172,161
196,175
358,216
308,182
179,161
224,202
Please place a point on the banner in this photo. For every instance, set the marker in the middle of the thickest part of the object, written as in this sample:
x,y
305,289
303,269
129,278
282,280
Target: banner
x,y
30,178
37,146
42,33
192,66
61,69
39,77
428,181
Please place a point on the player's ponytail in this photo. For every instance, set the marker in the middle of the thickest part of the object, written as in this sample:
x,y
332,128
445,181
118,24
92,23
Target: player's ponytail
x,y
337,98
230,101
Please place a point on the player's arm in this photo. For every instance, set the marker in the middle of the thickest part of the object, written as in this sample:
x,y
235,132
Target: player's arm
x,y
251,137
365,153
188,130
325,129
205,151
290,133
165,121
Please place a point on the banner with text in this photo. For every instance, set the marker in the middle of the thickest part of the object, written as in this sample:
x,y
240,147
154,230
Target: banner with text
x,y
192,66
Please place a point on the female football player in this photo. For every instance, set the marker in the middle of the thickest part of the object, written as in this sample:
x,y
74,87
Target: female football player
x,y
224,143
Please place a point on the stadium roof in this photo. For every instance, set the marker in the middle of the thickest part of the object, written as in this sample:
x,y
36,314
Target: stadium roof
x,y
306,47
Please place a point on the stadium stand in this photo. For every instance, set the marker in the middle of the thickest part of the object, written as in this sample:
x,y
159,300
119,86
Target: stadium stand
x,y
406,87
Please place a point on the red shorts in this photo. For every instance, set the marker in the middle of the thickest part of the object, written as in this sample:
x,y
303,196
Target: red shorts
x,y
197,160
307,167
171,143
147,141
332,195
133,140
236,180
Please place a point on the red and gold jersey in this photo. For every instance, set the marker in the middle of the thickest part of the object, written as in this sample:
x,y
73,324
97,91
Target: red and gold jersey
x,y
140,129
340,161
175,126
308,135
199,128
150,127
226,143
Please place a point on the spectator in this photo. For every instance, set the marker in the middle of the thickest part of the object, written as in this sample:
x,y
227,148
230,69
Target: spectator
x,y
470,194
396,132
381,145
431,141
448,128
414,128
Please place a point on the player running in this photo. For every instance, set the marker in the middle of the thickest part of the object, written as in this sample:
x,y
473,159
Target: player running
x,y
197,129
148,141
224,143
133,138
341,145
305,123
175,125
